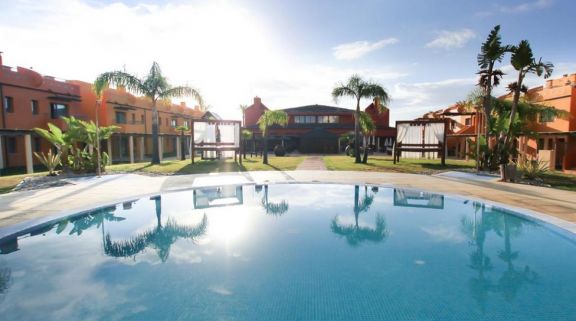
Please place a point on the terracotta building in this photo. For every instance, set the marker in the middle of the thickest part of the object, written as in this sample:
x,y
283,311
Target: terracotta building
x,y
29,100
318,128
556,137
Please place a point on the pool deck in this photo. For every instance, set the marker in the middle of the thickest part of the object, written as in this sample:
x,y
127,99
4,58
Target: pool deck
x,y
20,210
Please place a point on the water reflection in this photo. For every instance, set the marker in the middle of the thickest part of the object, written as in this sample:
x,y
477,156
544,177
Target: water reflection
x,y
160,238
272,208
5,277
218,196
409,198
505,226
354,233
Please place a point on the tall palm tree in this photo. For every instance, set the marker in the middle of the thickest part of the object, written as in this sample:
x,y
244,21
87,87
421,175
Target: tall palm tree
x,y
270,118
358,88
154,86
491,52
524,62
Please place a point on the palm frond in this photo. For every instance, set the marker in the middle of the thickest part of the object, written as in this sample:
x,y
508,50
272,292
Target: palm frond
x,y
182,91
366,123
124,79
272,117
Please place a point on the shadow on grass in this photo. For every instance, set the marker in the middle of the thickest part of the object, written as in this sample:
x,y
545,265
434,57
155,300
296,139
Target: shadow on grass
x,y
214,166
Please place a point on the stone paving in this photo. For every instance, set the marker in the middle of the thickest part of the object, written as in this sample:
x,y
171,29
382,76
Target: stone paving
x,y
20,210
312,163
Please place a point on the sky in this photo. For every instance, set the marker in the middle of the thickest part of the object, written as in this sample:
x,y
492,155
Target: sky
x,y
289,53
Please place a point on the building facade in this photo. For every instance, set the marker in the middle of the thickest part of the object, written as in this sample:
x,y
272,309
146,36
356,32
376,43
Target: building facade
x,y
555,140
29,100
319,128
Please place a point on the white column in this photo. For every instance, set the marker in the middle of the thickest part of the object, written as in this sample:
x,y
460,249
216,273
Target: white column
x,y
1,152
178,148
131,147
160,147
28,150
467,150
110,150
378,144
142,147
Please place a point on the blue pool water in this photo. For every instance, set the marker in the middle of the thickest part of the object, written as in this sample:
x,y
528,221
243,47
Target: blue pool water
x,y
290,252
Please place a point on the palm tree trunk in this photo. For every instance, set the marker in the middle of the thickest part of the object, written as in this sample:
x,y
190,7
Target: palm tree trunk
x,y
357,132
155,156
365,159
356,203
265,149
486,104
514,108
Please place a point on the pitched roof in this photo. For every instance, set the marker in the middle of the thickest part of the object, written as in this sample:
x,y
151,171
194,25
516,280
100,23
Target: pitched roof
x,y
318,109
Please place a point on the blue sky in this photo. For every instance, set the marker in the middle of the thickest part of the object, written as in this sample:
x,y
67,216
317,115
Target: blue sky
x,y
290,53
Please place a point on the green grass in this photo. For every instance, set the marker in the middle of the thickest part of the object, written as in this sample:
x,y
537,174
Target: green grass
x,y
7,183
207,166
385,164
560,180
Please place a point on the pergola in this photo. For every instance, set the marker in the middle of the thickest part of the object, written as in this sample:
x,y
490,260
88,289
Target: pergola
x,y
215,138
421,139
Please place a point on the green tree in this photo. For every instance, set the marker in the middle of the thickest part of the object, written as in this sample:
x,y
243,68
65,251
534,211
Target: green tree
x,y
268,119
491,52
359,89
154,86
243,110
524,63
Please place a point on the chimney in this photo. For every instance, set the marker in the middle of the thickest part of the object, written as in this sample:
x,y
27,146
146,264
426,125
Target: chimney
x,y
183,104
548,83
197,108
121,89
1,59
257,101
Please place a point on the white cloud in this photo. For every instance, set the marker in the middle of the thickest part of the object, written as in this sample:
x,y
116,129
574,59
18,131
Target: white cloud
x,y
526,6
355,50
452,39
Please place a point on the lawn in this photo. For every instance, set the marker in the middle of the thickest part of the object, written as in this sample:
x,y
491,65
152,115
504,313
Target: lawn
x,y
385,164
206,166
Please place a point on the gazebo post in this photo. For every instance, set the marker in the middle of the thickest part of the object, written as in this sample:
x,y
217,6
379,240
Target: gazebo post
x,y
192,142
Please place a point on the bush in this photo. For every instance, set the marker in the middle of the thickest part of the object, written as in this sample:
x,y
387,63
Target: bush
x,y
533,169
279,150
50,160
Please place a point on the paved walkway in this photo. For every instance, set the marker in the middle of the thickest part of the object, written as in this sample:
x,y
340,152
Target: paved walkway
x,y
312,163
20,210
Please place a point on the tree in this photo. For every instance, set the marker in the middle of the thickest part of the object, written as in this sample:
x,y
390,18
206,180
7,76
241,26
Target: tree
x,y
491,51
358,88
154,86
270,118
271,208
368,127
182,129
243,110
524,63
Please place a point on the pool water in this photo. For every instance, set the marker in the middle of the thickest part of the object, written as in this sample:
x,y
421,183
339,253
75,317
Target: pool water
x,y
290,252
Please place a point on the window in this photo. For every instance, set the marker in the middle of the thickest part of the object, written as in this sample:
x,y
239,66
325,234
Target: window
x,y
468,121
120,117
305,119
9,104
58,110
37,144
142,118
328,119
546,117
133,118
186,124
34,106
11,145
167,124
174,123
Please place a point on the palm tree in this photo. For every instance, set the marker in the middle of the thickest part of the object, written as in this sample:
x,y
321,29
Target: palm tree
x,y
358,88
367,126
270,118
182,129
98,88
243,110
154,86
491,51
524,62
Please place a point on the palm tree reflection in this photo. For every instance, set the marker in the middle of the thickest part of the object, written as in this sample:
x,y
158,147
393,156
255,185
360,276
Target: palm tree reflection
x,y
85,222
274,209
501,224
159,238
5,278
355,234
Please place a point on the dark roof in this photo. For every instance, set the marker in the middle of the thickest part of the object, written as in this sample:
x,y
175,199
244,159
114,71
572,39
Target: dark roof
x,y
318,109
211,115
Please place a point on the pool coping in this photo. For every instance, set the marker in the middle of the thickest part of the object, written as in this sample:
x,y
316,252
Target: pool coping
x,y
560,227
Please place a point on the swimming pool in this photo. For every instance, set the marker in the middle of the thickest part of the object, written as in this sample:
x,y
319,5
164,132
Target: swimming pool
x,y
290,252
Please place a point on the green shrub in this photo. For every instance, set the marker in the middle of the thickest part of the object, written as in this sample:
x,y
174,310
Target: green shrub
x,y
533,169
50,160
